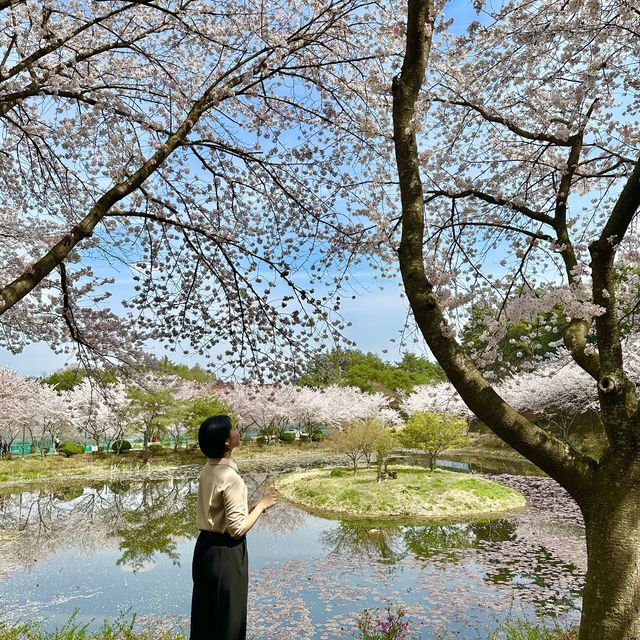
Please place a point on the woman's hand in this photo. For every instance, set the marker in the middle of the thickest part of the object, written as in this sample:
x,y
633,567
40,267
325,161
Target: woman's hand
x,y
267,500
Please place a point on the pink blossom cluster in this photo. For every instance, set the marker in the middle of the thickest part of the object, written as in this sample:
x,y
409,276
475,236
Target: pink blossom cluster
x,y
556,384
271,408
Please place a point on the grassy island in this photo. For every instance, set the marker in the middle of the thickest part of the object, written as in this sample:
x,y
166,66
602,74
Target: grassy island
x,y
415,494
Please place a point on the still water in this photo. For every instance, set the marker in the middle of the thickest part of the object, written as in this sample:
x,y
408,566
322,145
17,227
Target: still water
x,y
115,548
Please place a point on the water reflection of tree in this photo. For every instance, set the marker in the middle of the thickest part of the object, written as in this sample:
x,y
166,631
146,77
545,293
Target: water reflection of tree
x,y
391,543
439,540
147,518
443,540
364,540
494,530
165,515
84,517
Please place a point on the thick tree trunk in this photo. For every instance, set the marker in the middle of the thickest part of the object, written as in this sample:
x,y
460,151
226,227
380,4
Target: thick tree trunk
x,y
611,597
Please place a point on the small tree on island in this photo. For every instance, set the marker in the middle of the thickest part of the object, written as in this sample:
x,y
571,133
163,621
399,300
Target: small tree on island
x,y
433,433
349,442
385,443
360,439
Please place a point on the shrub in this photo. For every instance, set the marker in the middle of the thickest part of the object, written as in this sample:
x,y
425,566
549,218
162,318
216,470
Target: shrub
x,y
120,446
288,437
156,449
337,473
261,440
71,448
388,626
317,435
304,438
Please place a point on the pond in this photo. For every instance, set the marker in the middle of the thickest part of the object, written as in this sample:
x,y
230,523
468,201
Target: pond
x,y
115,548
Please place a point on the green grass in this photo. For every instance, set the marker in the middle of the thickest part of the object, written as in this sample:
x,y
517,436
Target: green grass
x,y
121,629
415,494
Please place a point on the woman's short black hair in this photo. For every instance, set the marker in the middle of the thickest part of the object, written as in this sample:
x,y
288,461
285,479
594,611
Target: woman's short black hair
x,y
212,435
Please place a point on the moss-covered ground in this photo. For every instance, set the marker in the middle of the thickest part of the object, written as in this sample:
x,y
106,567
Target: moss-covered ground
x,y
416,493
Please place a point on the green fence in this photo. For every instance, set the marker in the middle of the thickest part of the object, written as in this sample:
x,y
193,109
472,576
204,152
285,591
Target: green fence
x,y
20,449
24,448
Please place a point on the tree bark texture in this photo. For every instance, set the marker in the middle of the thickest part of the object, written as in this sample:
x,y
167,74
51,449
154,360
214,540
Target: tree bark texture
x,y
611,596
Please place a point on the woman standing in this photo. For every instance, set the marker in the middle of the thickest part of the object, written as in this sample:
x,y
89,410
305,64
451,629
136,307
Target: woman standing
x,y
220,562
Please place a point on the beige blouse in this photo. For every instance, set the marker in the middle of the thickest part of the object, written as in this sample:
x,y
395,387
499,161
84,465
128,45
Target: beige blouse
x,y
222,498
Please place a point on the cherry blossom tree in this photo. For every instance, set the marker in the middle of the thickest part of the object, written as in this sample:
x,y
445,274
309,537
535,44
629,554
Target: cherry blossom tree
x,y
47,415
345,404
557,384
272,408
196,147
528,153
99,411
15,397
334,406
266,408
438,398
32,410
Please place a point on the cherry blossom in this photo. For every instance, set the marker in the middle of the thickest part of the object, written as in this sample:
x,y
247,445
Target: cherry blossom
x,y
217,157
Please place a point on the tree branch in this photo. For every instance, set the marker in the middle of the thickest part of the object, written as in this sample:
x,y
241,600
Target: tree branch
x,y
21,286
494,225
572,469
56,43
5,4
623,211
501,202
67,309
575,336
617,394
512,126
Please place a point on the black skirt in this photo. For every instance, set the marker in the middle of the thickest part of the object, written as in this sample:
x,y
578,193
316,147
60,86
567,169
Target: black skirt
x,y
220,584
